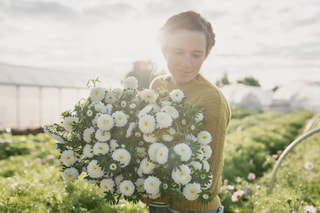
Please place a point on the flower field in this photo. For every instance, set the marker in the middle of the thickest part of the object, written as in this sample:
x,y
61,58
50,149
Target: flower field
x,y
31,180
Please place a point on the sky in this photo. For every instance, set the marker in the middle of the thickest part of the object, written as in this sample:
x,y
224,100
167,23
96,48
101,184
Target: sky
x,y
275,41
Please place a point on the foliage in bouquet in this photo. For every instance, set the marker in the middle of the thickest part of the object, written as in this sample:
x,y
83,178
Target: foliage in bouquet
x,y
136,144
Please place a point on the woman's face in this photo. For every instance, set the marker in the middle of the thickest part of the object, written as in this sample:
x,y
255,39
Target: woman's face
x,y
185,51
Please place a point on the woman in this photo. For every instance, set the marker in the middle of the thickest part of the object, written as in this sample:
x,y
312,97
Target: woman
x,y
186,40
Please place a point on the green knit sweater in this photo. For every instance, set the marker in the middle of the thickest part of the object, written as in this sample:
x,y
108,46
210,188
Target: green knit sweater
x,y
201,93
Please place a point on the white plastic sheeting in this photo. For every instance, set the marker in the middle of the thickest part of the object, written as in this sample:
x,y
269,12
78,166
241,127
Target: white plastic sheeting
x,y
31,97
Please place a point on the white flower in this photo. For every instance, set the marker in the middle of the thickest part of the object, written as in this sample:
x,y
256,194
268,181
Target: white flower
x,y
94,170
140,184
310,209
200,155
127,187
147,166
183,150
100,148
207,151
122,156
118,92
97,94
68,122
113,144
89,113
58,138
132,105
205,165
99,107
130,83
191,191
153,197
162,155
153,149
196,165
167,137
102,136
147,124
105,122
204,137
68,158
110,98
199,117
181,175
109,108
176,95
141,152
70,174
107,185
148,95
87,151
87,134
163,120
145,111
170,110
132,125
123,104
120,118
150,138
152,185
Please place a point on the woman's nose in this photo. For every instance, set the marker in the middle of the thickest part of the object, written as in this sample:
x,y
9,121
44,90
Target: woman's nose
x,y
186,61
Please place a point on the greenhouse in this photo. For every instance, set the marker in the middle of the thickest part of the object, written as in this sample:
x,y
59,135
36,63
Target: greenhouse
x,y
32,97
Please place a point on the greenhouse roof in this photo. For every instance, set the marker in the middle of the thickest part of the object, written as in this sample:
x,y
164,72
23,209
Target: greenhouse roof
x,y
31,76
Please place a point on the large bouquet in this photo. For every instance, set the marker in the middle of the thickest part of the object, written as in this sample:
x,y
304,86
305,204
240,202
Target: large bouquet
x,y
136,144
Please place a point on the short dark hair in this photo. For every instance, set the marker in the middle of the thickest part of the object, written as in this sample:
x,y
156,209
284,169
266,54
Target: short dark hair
x,y
188,20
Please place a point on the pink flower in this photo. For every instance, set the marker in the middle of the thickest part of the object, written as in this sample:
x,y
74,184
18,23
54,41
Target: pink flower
x,y
38,160
50,157
292,156
230,187
251,176
308,165
275,156
234,198
236,195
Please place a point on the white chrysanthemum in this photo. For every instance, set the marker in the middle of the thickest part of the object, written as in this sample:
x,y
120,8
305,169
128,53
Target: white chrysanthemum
x,y
150,138
207,151
88,134
99,107
152,185
181,175
58,138
70,174
191,191
107,185
200,155
89,113
94,170
163,120
113,144
68,122
147,124
120,118
109,108
140,184
155,196
199,117
145,111
122,156
183,150
110,98
170,110
148,95
153,149
102,136
87,151
191,137
123,104
204,137
196,165
132,105
132,125
205,165
68,158
162,155
105,122
130,83
141,152
118,92
127,187
167,137
147,166
176,95
100,148
97,94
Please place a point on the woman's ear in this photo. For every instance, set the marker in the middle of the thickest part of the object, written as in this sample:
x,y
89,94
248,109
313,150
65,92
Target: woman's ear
x,y
164,51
